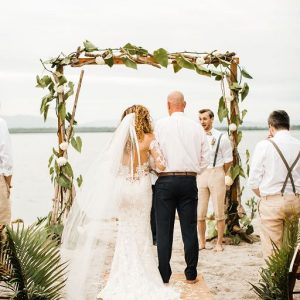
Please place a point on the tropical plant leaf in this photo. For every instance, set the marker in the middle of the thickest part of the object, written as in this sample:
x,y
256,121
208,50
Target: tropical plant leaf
x,y
31,264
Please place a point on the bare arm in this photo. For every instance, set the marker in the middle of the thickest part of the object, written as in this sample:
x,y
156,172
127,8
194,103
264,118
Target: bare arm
x,y
256,192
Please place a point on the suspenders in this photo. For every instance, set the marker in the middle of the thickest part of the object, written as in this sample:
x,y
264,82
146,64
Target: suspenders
x,y
289,168
217,150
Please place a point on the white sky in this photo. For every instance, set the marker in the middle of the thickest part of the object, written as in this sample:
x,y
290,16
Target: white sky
x,y
264,34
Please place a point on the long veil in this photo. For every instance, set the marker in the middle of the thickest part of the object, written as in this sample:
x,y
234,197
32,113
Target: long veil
x,y
90,230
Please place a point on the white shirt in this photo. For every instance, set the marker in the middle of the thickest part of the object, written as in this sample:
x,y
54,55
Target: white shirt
x,y
268,172
183,143
6,163
225,150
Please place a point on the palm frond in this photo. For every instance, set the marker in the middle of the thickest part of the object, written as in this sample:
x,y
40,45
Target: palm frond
x,y
274,277
30,264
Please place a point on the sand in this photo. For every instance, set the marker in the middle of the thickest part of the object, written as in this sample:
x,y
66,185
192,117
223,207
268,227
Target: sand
x,y
228,273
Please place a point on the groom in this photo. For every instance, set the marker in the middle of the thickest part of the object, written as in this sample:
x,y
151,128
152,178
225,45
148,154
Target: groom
x,y
184,146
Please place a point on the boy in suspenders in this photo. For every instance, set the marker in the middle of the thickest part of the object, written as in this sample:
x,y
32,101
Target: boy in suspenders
x,y
211,183
275,178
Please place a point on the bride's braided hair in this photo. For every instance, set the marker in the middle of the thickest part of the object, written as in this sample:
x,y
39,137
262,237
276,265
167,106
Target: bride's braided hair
x,y
143,122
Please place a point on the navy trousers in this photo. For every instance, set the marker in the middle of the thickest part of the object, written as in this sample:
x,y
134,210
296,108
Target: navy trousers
x,y
153,216
176,193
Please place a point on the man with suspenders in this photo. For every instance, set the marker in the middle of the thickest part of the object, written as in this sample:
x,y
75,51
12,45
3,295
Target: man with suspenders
x,y
211,183
275,178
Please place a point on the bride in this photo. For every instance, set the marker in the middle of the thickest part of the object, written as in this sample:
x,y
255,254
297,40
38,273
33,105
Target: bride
x,y
111,217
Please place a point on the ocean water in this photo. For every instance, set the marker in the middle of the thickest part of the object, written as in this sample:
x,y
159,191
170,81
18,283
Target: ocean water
x,y
32,189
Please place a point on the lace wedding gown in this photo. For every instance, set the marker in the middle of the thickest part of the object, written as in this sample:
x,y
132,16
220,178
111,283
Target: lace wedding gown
x,y
88,238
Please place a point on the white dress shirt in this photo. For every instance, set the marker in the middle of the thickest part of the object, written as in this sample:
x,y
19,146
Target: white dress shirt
x,y
183,143
6,163
225,149
268,172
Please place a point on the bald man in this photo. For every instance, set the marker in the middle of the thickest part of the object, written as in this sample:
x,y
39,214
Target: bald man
x,y
184,145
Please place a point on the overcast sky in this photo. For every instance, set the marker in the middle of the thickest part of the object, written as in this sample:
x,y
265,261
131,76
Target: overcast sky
x,y
264,34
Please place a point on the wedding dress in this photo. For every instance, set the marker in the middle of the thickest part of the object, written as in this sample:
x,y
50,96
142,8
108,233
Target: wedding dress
x,y
112,216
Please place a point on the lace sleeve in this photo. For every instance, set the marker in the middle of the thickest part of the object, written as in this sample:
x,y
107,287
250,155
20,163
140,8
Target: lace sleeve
x,y
159,160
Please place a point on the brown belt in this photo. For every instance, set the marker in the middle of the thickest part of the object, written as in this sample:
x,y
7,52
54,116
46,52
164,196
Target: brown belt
x,y
177,174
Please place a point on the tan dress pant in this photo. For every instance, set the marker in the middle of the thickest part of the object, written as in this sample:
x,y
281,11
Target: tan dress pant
x,y
5,206
211,184
272,212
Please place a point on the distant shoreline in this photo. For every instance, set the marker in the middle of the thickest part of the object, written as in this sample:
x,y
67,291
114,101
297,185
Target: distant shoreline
x,y
112,129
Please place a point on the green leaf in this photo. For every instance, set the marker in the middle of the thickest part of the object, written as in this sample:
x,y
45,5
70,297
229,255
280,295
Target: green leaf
x,y
202,71
50,160
225,63
222,110
67,169
217,73
129,63
62,80
65,61
55,152
161,56
234,172
70,92
68,118
246,74
176,67
51,170
239,137
235,86
43,82
76,143
109,58
64,182
245,90
89,46
241,172
184,63
218,78
130,48
79,181
244,112
46,109
62,110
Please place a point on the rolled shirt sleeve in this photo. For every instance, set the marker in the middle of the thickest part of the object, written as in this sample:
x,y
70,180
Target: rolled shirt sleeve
x,y
257,166
205,153
226,150
6,160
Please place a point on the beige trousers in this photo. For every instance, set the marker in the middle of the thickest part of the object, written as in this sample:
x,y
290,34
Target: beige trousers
x,y
272,212
211,184
5,207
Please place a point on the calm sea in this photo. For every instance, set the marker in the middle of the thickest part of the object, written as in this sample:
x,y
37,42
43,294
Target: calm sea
x,y
32,189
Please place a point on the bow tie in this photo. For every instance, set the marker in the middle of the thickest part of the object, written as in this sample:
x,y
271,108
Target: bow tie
x,y
208,133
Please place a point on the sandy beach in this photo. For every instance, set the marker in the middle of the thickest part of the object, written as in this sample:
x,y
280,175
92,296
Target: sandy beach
x,y
227,273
